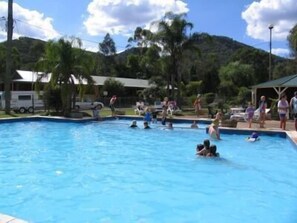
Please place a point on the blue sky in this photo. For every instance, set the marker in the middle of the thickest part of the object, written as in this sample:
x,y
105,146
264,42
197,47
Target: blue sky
x,y
246,21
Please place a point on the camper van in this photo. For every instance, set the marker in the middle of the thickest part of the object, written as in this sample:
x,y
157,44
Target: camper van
x,y
23,101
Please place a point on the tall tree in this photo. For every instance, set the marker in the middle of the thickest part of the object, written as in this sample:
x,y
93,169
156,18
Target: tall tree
x,y
107,47
174,37
15,56
257,59
141,38
233,76
67,63
151,63
292,39
207,70
107,51
147,54
113,87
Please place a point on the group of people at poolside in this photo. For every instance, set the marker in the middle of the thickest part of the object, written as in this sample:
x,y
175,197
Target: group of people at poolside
x,y
284,108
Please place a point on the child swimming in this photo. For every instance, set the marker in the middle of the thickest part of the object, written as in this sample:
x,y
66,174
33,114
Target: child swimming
x,y
253,137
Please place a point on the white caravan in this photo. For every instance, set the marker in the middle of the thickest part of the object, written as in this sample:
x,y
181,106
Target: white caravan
x,y
23,101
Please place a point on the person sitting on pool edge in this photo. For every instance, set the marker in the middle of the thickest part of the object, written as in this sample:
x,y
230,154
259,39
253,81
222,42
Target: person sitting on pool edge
x,y
146,125
205,150
253,137
133,124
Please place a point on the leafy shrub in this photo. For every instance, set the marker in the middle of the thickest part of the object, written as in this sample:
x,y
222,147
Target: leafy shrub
x,y
209,97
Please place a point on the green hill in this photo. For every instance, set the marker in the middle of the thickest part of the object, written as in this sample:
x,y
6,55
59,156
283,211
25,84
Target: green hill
x,y
224,48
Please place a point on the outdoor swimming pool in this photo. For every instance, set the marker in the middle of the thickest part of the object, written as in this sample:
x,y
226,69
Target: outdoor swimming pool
x,y
106,172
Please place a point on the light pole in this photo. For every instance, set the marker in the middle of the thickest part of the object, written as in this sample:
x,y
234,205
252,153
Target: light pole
x,y
270,68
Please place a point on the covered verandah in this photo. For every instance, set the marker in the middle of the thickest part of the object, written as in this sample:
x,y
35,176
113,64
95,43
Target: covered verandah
x,y
275,88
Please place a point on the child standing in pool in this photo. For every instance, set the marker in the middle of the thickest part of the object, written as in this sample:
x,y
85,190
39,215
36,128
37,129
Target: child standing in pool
x,y
147,116
214,131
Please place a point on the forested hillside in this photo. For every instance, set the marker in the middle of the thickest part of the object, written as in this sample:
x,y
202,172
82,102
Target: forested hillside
x,y
222,48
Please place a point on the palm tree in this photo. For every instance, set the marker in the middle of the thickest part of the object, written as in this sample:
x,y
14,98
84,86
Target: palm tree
x,y
174,38
292,39
67,63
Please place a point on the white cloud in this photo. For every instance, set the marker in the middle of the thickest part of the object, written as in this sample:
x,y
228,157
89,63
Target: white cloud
x,y
260,14
281,52
121,17
29,23
90,46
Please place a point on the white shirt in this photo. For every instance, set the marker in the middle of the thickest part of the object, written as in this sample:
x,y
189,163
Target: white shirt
x,y
282,106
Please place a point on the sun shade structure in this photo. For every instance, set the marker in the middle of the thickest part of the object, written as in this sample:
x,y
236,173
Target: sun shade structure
x,y
279,85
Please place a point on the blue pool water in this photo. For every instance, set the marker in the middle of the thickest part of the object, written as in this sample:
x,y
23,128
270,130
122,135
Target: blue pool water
x,y
106,172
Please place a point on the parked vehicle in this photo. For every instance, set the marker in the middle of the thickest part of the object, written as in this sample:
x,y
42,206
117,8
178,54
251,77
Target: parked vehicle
x,y
87,105
23,101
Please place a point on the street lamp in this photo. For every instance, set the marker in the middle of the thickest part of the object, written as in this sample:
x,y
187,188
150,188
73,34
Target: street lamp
x,y
270,68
